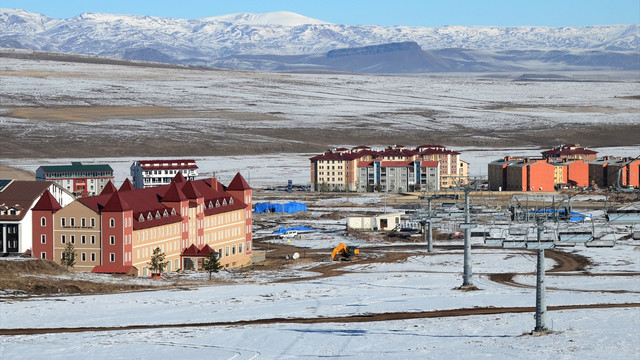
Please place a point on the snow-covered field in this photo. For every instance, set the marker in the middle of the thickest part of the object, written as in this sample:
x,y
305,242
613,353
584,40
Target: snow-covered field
x,y
424,282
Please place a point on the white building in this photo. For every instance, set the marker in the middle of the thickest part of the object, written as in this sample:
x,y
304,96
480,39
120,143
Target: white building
x,y
148,173
16,200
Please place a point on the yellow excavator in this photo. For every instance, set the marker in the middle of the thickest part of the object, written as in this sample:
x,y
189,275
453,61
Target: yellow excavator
x,y
345,252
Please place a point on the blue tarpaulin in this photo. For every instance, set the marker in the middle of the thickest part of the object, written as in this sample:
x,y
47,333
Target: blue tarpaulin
x,y
297,228
289,207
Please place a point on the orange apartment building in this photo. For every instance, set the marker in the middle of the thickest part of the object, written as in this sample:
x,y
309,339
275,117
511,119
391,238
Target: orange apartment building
x,y
530,175
573,166
611,171
117,231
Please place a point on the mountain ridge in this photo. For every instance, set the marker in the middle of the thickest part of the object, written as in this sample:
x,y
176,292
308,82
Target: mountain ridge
x,y
226,39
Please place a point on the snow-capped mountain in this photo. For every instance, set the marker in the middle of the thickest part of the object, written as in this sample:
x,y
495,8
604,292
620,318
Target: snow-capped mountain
x,y
244,40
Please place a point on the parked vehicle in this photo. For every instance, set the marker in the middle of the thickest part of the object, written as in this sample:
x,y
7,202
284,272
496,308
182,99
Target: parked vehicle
x,y
289,234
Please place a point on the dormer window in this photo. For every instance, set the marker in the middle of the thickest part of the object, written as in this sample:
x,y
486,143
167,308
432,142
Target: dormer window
x,y
224,202
157,214
210,204
149,216
141,218
230,201
173,211
165,214
217,203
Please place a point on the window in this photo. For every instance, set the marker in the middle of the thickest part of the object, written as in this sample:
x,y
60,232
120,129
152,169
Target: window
x,y
112,240
112,222
43,255
43,239
248,246
63,239
219,253
83,222
83,257
112,257
73,239
240,248
93,257
226,251
233,250
63,222
93,222
43,222
93,239
72,221
83,239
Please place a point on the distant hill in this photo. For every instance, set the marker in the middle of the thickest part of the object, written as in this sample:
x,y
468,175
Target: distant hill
x,y
284,41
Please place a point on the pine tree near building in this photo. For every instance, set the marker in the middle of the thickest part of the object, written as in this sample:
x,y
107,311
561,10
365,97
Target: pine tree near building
x,y
212,264
69,256
157,263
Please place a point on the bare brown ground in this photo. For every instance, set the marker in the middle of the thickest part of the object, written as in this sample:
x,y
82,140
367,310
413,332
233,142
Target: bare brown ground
x,y
389,316
8,172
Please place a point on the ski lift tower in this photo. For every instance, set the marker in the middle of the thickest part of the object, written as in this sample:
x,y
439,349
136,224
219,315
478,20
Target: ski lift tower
x,y
426,220
541,243
467,283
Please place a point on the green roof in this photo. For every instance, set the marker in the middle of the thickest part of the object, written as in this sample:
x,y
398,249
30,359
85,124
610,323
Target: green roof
x,y
75,167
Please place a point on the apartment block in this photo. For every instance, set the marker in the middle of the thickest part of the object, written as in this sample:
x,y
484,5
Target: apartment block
x,y
117,231
395,168
149,173
77,178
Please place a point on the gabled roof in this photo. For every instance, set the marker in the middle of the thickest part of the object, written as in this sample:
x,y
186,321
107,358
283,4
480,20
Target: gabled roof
x,y
153,200
179,178
116,204
190,191
108,189
47,202
193,251
115,269
174,194
238,183
126,185
21,195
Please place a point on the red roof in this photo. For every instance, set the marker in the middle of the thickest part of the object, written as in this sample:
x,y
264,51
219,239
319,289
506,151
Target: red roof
x,y
109,188
238,183
570,149
193,251
190,191
168,164
115,269
179,178
116,204
174,194
47,202
429,164
153,199
127,185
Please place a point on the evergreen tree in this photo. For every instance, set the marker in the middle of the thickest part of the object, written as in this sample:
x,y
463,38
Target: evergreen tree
x,y
212,264
69,256
157,263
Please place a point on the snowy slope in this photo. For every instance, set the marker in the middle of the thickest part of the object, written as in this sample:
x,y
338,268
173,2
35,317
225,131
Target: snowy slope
x,y
280,33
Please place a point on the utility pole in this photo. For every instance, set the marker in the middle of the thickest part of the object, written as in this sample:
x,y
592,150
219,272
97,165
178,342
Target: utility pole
x,y
467,282
541,303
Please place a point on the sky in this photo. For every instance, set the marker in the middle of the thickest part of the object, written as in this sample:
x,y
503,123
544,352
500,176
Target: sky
x,y
426,13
